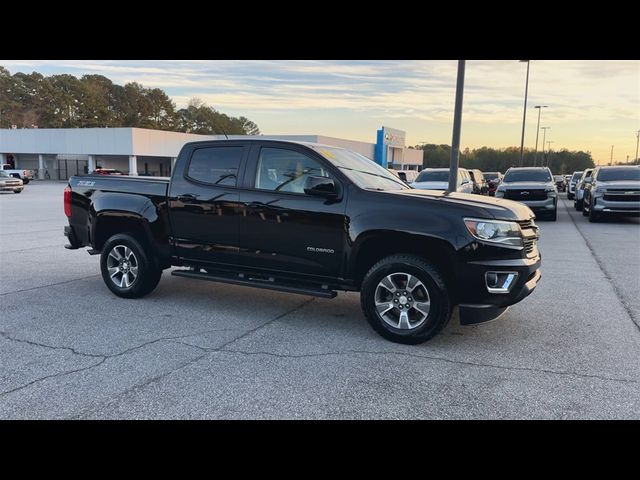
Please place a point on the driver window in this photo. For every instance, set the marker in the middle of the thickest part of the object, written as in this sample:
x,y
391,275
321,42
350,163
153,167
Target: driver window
x,y
285,170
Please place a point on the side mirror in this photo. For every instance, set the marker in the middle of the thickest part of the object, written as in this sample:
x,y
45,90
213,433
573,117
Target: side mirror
x,y
321,187
465,181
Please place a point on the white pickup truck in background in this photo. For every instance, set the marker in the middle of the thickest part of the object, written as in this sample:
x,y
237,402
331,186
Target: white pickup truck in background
x,y
25,175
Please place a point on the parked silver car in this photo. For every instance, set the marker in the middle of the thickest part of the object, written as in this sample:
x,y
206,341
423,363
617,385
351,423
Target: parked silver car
x,y
585,179
613,190
9,183
571,184
533,186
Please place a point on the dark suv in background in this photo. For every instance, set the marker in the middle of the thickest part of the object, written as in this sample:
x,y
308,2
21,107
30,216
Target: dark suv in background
x,y
533,186
612,191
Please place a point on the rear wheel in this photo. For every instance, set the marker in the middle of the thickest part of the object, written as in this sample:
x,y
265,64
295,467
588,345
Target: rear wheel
x,y
25,180
405,299
127,269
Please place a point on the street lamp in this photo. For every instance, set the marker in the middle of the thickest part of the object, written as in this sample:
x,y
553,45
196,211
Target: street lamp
x,y
535,155
544,136
524,114
637,141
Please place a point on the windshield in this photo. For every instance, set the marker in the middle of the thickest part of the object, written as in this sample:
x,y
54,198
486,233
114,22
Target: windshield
x,y
360,170
559,178
613,174
576,176
526,175
433,176
490,175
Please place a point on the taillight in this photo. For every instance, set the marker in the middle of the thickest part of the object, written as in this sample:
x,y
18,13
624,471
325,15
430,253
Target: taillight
x,y
24,172
67,201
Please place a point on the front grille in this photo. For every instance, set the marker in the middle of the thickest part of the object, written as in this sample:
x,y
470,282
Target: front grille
x,y
526,194
621,195
529,244
530,235
525,224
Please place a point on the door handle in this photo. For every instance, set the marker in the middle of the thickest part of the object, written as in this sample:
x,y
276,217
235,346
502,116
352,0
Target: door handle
x,y
187,197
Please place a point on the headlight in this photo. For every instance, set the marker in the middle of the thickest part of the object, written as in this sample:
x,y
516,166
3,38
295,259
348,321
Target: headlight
x,y
504,234
551,191
600,190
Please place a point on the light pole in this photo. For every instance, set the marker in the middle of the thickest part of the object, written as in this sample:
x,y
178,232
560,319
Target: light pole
x,y
535,155
524,114
457,120
637,141
544,136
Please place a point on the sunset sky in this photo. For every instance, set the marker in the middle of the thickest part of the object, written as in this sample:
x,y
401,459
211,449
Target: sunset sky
x,y
592,104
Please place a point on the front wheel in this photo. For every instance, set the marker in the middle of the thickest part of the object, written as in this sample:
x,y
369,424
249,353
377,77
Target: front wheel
x,y
25,180
593,215
405,299
127,269
17,191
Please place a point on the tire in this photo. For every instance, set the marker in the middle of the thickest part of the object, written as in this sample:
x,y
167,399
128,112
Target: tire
x,y
394,271
578,205
569,196
554,216
25,181
147,273
593,216
17,191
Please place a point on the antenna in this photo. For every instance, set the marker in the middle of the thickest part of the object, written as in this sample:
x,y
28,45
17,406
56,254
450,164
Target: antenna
x,y
225,133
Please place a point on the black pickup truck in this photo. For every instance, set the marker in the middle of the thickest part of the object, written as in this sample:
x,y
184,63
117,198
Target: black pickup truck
x,y
309,219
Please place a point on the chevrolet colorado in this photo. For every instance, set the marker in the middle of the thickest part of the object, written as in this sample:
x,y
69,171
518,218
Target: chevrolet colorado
x,y
309,219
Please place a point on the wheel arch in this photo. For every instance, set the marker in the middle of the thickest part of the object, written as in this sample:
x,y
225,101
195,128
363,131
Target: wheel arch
x,y
376,245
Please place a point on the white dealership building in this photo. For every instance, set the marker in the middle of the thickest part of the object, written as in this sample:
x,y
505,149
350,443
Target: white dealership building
x,y
58,153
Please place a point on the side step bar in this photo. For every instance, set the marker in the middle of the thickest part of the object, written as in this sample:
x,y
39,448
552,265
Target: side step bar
x,y
266,283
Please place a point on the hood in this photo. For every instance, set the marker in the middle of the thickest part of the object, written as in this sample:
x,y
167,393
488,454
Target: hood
x,y
620,184
525,185
475,205
431,185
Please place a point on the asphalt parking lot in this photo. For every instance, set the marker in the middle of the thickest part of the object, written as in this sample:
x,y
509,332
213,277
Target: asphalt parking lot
x,y
71,349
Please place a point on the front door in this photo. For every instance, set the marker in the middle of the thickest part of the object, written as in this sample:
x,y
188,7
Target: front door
x,y
204,204
284,229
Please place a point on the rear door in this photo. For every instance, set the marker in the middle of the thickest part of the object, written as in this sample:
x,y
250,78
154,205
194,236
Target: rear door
x,y
204,203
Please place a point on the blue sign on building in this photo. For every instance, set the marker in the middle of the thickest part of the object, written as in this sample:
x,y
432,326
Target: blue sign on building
x,y
389,141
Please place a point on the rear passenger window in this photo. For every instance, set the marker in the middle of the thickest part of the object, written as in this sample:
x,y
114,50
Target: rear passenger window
x,y
216,165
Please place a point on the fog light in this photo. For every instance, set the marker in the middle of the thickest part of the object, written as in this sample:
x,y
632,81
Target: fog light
x,y
500,282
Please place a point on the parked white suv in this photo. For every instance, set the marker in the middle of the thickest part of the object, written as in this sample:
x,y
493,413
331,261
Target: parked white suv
x,y
438,179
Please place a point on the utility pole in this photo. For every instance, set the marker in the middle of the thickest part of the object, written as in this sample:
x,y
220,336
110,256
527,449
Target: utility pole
x,y
611,159
549,142
524,114
535,155
637,141
544,136
457,121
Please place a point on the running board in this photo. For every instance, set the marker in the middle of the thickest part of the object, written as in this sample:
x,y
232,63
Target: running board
x,y
268,283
